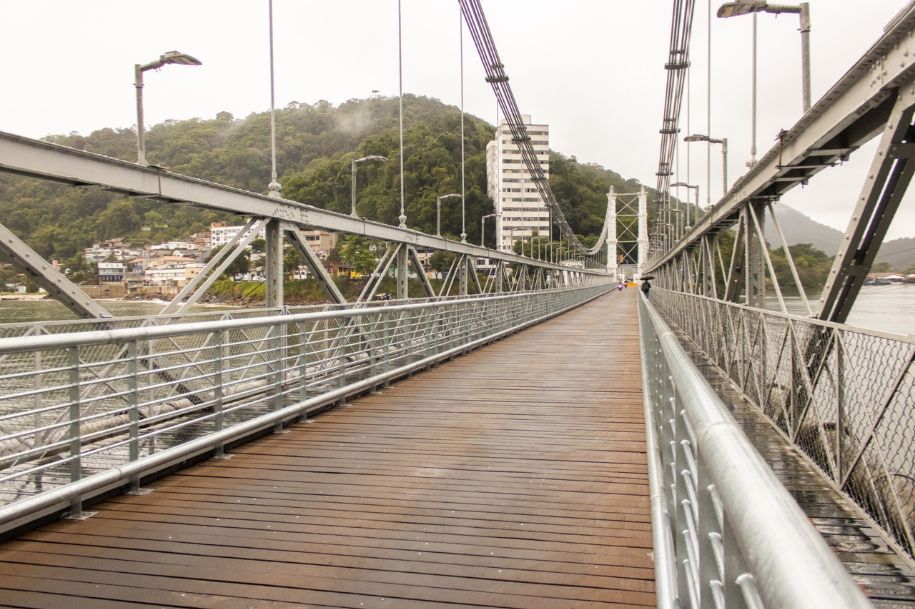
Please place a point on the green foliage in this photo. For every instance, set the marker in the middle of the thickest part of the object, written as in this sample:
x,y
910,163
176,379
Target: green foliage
x,y
882,267
315,144
356,251
239,266
812,267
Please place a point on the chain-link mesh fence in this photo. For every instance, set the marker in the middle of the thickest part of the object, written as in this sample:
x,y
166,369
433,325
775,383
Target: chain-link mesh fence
x,y
844,396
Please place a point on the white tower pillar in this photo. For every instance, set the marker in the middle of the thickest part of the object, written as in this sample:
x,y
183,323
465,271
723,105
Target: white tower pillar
x,y
611,234
643,230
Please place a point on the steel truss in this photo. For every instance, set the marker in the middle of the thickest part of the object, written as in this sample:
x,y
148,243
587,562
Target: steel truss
x,y
875,96
279,217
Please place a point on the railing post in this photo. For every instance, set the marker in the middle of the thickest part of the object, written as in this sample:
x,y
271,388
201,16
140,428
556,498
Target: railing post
x,y
303,366
219,339
133,386
278,365
75,432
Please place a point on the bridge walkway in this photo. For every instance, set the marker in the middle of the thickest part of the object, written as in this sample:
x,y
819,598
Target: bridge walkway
x,y
512,477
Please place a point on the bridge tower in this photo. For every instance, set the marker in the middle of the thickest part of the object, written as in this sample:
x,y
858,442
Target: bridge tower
x,y
611,234
643,230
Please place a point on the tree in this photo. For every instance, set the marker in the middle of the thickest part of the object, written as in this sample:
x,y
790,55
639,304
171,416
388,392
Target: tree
x,y
316,143
239,266
441,262
355,251
292,258
882,267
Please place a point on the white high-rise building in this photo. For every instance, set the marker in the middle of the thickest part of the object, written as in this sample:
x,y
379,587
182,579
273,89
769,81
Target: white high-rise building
x,y
520,210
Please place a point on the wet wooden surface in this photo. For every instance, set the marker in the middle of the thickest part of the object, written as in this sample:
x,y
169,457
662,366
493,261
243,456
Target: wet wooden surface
x,y
512,477
884,575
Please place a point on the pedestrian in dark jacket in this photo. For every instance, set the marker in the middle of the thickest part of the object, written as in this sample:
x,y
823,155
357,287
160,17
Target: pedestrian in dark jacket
x,y
646,287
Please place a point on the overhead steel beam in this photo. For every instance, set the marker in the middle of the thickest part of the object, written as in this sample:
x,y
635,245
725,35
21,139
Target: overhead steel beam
x,y
852,112
43,160
53,281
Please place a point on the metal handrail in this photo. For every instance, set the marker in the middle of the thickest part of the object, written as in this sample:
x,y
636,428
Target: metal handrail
x,y
727,533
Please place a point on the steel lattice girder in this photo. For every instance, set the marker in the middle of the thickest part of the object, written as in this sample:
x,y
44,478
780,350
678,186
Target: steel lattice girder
x,y
43,160
852,112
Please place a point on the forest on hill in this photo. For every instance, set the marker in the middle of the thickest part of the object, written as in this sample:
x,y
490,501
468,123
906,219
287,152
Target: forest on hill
x,y
315,144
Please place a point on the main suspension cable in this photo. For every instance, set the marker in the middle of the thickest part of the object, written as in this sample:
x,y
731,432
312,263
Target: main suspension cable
x,y
496,76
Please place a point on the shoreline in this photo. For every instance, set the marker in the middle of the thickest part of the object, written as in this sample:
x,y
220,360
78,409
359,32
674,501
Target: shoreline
x,y
25,297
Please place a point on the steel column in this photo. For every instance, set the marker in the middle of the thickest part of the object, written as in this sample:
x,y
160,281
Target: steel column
x,y
273,264
402,270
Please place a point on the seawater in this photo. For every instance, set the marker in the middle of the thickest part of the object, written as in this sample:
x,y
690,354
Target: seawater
x,y
889,308
885,308
18,311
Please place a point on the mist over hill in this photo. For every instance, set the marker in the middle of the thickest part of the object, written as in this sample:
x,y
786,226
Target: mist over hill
x,y
315,143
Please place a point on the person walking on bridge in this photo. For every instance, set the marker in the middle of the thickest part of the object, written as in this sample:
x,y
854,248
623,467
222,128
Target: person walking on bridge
x,y
646,287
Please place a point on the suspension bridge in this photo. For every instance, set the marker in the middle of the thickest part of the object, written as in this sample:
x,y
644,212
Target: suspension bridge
x,y
526,437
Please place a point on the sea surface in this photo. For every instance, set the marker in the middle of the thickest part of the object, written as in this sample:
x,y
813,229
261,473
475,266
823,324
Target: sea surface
x,y
885,308
888,308
17,311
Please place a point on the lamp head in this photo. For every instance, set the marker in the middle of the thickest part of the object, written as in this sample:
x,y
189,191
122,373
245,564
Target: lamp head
x,y
744,7
179,58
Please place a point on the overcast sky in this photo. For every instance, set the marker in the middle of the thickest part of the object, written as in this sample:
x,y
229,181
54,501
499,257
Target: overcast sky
x,y
591,69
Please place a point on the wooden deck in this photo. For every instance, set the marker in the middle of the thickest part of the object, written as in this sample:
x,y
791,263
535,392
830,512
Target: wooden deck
x,y
512,477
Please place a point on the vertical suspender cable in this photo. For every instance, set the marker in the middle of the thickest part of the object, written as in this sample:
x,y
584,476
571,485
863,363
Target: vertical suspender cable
x,y
274,186
463,192
403,215
708,110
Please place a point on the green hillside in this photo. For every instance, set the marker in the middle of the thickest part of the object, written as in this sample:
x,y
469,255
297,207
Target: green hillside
x,y
315,144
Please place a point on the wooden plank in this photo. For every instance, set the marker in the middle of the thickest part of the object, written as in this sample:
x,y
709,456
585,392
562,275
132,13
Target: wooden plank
x,y
511,477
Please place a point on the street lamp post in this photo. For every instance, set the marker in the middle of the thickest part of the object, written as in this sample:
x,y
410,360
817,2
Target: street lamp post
x,y
688,187
483,228
353,164
724,158
438,211
746,7
171,57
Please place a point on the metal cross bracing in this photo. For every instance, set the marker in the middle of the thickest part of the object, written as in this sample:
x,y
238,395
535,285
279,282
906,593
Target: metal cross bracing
x,y
279,217
627,238
841,396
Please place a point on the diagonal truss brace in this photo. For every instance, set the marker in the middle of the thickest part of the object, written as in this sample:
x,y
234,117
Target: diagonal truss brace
x,y
889,176
420,272
56,283
214,269
314,265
